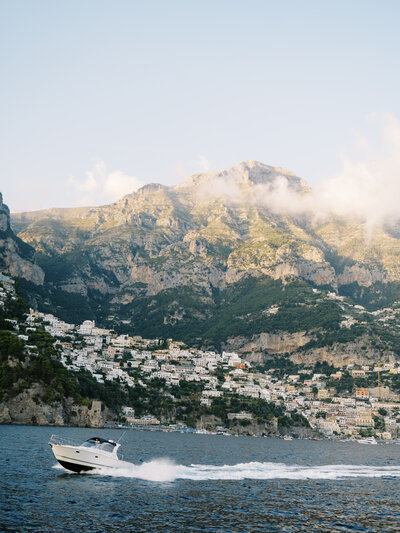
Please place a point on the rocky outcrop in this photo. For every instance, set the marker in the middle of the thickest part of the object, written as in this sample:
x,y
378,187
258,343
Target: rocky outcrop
x,y
360,352
94,415
16,257
361,275
256,429
27,408
254,349
16,265
4,216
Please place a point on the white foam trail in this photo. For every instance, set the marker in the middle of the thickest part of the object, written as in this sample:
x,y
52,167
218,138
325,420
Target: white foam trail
x,y
156,470
166,470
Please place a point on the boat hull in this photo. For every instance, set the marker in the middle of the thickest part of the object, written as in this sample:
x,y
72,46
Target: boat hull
x,y
74,467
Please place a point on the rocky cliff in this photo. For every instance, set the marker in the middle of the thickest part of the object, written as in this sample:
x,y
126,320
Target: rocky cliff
x,y
27,409
16,257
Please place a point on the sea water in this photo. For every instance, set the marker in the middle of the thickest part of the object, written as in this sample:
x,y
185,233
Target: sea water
x,y
187,482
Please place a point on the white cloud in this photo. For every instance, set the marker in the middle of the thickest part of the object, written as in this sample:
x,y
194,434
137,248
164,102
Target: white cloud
x,y
102,186
204,163
367,187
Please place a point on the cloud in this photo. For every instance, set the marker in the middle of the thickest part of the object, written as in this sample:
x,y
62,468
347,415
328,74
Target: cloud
x,y
102,186
366,188
204,163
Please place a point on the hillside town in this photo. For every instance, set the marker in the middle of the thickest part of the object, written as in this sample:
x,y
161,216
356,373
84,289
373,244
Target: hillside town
x,y
320,394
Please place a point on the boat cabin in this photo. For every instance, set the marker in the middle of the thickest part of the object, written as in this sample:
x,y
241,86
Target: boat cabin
x,y
101,444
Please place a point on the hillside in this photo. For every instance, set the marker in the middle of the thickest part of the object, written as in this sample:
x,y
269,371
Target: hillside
x,y
35,388
54,373
214,262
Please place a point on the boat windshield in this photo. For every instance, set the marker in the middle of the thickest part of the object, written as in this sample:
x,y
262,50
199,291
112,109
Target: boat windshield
x,y
107,447
101,444
92,443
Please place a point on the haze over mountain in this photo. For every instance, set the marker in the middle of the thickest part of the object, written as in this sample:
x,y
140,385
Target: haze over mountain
x,y
223,257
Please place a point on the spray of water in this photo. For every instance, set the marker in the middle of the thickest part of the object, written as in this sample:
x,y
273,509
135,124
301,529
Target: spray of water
x,y
164,470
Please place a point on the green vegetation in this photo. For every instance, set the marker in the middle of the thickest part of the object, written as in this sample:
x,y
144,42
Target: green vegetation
x,y
374,297
343,385
324,368
261,410
240,309
110,393
10,346
281,365
18,370
338,335
71,307
28,370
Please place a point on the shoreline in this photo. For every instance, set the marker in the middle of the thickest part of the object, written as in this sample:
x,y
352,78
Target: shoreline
x,y
192,431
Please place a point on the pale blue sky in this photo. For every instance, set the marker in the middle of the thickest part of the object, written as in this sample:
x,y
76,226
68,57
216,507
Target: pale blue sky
x,y
156,88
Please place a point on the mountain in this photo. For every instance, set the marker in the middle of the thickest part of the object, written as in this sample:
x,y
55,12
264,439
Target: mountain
x,y
218,260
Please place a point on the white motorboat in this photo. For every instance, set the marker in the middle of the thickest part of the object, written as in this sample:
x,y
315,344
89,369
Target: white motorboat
x,y
92,454
368,440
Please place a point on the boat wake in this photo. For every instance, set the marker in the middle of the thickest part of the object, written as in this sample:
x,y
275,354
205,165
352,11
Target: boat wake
x,y
162,470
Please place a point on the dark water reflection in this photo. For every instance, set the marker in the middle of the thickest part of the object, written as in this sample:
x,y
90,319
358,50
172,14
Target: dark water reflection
x,y
34,496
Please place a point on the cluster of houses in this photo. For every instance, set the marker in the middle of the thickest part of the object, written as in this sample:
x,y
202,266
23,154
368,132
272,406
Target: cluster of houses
x,y
109,356
7,289
366,410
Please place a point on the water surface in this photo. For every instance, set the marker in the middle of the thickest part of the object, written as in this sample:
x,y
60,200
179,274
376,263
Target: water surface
x,y
184,482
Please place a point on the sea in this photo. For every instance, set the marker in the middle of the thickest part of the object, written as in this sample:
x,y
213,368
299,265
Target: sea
x,y
193,482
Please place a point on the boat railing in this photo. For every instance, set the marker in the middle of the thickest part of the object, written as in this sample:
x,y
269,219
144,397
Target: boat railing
x,y
58,439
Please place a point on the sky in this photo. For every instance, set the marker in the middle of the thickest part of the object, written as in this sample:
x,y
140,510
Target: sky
x,y
100,97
